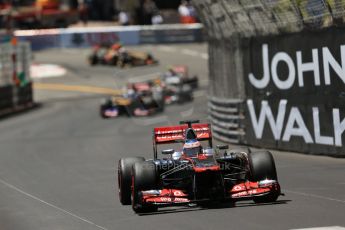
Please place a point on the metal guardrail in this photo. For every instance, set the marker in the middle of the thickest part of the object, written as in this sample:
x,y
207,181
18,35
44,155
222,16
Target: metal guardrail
x,y
15,86
24,99
6,95
127,35
227,117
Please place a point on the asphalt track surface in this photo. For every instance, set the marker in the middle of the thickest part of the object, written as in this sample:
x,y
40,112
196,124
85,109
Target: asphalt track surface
x,y
57,162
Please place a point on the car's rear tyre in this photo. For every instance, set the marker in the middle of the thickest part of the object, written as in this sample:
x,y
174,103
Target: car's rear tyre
x,y
144,177
93,60
125,178
262,167
114,60
194,83
102,111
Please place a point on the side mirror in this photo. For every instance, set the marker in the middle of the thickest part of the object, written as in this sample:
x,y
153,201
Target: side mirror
x,y
168,151
222,147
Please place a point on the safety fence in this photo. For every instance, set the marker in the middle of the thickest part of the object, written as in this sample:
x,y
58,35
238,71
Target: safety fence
x,y
15,85
129,35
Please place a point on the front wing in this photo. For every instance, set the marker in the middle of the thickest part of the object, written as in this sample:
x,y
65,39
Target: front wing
x,y
246,190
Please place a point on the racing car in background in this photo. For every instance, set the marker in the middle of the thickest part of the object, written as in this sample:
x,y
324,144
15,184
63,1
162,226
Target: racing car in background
x,y
140,99
117,55
178,84
179,74
195,175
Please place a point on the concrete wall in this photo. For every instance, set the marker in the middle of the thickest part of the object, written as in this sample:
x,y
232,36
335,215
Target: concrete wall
x,y
237,31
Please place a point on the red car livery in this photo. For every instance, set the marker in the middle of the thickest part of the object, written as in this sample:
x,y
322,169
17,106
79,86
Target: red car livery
x,y
195,175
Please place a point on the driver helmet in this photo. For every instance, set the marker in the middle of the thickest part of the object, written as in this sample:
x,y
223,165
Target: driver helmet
x,y
192,148
116,46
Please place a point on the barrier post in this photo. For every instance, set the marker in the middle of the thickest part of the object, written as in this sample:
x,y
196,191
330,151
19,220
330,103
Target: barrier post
x,y
15,81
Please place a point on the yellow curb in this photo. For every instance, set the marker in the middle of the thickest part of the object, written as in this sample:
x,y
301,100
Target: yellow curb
x,y
77,88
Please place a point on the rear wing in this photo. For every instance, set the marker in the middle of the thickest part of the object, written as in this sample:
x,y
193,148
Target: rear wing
x,y
140,86
176,134
181,69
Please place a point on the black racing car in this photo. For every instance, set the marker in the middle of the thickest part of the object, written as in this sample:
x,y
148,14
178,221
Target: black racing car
x,y
117,55
141,99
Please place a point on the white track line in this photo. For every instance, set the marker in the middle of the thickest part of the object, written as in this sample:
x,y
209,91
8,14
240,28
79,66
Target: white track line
x,y
322,228
316,196
51,205
39,71
167,49
190,52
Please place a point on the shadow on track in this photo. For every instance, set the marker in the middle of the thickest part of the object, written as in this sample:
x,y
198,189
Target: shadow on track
x,y
213,206
247,204
18,112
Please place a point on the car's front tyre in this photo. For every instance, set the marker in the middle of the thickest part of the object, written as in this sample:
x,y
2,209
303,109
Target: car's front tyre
x,y
125,178
262,167
144,177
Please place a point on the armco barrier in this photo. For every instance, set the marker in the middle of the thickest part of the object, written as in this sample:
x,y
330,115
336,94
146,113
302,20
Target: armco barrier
x,y
129,35
15,86
226,116
171,34
25,95
6,95
15,99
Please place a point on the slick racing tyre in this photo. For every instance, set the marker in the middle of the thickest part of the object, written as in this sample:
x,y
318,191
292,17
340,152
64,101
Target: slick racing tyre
x,y
114,60
144,177
125,178
262,167
93,60
102,111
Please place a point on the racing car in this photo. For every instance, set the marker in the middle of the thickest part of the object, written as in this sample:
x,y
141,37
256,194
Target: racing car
x,y
172,93
195,175
177,93
117,55
141,99
179,74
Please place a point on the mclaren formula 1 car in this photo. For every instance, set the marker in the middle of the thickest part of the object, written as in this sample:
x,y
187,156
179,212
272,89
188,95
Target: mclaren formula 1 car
x,y
141,99
195,175
117,55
